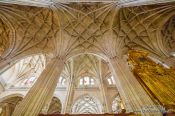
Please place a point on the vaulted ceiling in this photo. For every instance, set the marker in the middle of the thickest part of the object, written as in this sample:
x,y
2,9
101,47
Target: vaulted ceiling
x,y
68,29
47,3
86,65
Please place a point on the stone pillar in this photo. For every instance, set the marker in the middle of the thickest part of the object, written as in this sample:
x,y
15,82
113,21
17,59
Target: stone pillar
x,y
1,87
134,97
104,95
103,90
42,91
69,97
108,102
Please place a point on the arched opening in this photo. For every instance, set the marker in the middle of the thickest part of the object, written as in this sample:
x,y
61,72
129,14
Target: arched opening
x,y
86,74
25,72
62,82
86,81
66,29
8,105
111,80
87,105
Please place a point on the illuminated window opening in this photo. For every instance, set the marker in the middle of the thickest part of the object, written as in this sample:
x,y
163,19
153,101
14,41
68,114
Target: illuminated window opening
x,y
62,81
111,80
87,81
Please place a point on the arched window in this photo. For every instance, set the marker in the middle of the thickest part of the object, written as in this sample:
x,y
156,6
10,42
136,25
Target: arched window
x,y
26,82
62,81
117,105
25,71
87,105
87,81
111,80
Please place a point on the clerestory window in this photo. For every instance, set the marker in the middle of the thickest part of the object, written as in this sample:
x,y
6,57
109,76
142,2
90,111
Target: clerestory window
x,y
87,81
111,80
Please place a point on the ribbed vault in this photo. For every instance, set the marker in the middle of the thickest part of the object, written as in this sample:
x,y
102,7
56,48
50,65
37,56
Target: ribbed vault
x,y
85,65
69,29
47,3
63,30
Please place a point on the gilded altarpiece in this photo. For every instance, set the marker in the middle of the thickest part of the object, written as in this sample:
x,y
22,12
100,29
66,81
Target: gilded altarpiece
x,y
158,81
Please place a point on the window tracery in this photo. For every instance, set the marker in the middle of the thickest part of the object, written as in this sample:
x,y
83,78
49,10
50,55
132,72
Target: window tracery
x,y
62,81
87,105
28,82
87,81
25,72
111,80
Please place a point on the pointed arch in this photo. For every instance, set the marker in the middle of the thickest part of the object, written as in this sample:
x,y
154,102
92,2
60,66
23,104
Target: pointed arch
x,y
87,104
8,104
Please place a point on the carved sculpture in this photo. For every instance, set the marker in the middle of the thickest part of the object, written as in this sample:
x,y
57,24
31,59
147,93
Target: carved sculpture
x,y
157,80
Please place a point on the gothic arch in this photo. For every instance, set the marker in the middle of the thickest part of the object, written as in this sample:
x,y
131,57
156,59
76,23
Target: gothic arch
x,y
166,33
8,31
6,64
84,61
160,39
86,104
11,95
25,68
8,105
99,55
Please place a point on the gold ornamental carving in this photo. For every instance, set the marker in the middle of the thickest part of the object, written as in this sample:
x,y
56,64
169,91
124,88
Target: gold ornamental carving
x,y
158,81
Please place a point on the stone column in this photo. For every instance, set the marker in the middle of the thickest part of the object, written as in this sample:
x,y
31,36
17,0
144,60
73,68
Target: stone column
x,y
103,92
42,91
133,95
1,87
69,97
108,102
